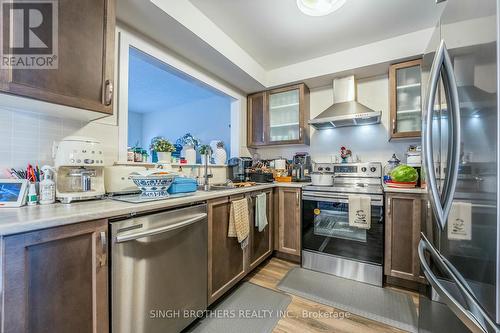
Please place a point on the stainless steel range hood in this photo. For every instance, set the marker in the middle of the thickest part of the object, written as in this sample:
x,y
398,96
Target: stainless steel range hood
x,y
345,111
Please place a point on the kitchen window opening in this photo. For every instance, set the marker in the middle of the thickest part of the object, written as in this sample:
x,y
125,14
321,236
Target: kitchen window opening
x,y
166,102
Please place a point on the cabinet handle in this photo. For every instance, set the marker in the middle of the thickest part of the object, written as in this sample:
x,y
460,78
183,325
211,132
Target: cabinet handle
x,y
298,198
389,206
104,246
300,133
393,125
108,92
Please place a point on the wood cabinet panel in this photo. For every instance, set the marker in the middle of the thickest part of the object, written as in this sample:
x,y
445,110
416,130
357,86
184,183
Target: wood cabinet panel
x,y
56,280
84,77
259,122
256,119
401,90
405,220
261,243
226,258
289,217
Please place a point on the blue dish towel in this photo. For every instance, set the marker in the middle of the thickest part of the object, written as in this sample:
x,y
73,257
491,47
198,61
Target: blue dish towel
x,y
261,211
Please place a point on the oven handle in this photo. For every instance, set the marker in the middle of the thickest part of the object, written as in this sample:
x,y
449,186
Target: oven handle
x,y
375,201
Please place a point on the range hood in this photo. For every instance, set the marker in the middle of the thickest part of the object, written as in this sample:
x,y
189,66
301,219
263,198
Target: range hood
x,y
345,111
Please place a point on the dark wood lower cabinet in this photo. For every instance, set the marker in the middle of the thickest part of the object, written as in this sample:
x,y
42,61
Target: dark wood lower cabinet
x,y
407,215
261,242
228,263
56,280
226,258
288,212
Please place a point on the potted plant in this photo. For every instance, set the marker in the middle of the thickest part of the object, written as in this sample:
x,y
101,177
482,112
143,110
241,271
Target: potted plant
x,y
205,152
164,149
220,154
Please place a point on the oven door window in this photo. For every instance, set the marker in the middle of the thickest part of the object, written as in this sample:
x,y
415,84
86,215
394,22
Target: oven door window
x,y
325,229
335,224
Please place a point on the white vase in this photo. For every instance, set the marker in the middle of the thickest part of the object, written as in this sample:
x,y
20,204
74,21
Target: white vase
x,y
164,157
220,156
189,155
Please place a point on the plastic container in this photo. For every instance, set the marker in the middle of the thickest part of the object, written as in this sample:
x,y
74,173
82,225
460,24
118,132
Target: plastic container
x,y
183,185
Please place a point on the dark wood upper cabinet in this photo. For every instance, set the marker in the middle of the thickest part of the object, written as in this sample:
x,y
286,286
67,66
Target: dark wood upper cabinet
x,y
405,93
278,117
256,131
84,77
56,280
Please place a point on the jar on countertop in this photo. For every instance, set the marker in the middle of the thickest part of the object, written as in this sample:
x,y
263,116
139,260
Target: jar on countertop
x,y
391,165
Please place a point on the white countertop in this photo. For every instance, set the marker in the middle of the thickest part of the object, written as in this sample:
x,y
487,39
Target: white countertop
x,y
415,190
28,218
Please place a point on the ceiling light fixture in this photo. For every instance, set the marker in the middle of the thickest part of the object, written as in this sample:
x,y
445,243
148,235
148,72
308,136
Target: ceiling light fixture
x,y
319,7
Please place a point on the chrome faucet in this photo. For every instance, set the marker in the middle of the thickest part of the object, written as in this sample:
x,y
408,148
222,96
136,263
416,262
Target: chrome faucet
x,y
206,176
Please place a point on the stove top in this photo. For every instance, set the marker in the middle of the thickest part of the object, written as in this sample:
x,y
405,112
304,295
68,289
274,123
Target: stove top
x,y
351,178
347,188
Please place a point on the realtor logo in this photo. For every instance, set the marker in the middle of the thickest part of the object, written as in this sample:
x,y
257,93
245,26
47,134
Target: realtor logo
x,y
29,34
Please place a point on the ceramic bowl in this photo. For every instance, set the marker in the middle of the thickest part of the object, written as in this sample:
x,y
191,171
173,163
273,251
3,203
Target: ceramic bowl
x,y
153,184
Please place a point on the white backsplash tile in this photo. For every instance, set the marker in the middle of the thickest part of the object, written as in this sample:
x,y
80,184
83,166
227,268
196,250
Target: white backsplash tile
x,y
27,137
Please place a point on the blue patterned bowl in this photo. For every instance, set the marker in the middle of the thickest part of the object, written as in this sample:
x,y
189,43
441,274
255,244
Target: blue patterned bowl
x,y
153,184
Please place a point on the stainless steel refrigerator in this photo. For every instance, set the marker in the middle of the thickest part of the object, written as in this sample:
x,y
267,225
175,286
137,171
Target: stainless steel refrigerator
x,y
460,137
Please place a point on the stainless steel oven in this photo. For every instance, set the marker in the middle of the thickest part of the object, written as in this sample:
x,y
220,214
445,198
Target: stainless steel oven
x,y
330,244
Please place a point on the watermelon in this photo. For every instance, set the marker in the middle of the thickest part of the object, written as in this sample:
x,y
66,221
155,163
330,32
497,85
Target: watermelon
x,y
404,173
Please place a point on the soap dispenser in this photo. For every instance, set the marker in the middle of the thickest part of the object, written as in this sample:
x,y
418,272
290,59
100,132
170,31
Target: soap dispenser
x,y
47,186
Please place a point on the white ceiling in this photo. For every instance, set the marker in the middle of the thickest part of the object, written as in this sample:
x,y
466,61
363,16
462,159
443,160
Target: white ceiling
x,y
275,33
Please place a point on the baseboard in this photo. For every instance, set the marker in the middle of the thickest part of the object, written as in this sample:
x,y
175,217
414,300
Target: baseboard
x,y
406,284
287,256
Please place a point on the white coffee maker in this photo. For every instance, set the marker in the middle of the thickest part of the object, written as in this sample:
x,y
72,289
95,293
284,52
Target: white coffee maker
x,y
79,163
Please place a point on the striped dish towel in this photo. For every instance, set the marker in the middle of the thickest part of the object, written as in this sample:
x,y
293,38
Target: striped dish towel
x,y
239,221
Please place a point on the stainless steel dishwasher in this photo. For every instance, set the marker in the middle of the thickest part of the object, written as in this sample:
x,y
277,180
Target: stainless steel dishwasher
x,y
158,270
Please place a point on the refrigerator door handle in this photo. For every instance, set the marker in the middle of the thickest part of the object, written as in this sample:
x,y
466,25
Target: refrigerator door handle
x,y
466,316
442,65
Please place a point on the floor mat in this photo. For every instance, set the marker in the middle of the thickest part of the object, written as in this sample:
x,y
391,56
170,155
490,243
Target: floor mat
x,y
380,304
250,308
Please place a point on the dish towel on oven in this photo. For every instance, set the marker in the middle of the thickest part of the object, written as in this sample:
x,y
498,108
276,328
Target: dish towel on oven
x,y
460,221
359,211
239,221
260,211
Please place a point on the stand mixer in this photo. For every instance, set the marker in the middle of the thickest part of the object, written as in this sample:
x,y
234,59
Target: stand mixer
x,y
79,169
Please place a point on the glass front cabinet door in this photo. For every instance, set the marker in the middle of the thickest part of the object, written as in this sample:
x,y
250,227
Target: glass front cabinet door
x,y
283,118
405,99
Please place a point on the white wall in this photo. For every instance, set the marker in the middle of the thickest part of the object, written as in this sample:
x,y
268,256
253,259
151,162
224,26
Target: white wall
x,y
27,137
370,143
